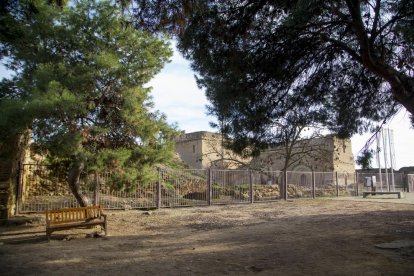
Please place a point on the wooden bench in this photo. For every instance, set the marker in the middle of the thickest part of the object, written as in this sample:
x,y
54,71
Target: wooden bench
x,y
364,195
68,218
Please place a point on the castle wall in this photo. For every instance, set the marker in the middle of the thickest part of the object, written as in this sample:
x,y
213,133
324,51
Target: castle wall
x,y
307,155
190,149
343,158
201,150
11,152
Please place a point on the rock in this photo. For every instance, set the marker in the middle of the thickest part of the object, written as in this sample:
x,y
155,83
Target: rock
x,y
94,235
127,207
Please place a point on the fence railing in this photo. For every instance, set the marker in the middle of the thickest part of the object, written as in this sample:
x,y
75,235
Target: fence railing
x,y
41,188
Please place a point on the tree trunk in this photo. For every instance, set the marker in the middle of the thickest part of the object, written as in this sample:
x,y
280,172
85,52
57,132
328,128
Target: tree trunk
x,y
74,185
402,85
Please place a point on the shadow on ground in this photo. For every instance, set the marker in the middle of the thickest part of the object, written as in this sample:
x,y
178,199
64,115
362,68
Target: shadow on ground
x,y
315,239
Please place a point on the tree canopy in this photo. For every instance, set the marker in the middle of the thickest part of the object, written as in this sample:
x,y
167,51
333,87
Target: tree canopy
x,y
347,63
78,85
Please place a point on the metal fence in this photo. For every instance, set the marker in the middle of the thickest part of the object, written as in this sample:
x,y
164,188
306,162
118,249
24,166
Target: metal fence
x,y
384,182
41,188
410,182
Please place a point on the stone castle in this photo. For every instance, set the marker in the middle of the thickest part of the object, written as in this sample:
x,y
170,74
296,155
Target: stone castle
x,y
203,149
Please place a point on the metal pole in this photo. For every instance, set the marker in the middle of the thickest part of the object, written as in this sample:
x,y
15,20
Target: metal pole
x,y
251,187
96,190
379,158
384,144
392,156
357,184
337,184
285,185
209,190
158,203
313,184
346,184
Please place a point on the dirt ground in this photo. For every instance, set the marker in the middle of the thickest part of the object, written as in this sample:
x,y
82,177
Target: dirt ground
x,y
300,237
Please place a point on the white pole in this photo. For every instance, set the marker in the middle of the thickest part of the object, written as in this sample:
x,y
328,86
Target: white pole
x,y
392,156
378,157
384,144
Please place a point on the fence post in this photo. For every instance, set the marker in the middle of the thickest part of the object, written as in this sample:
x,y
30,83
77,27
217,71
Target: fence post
x,y
251,187
158,203
346,184
97,190
285,185
313,184
19,187
356,183
209,190
337,184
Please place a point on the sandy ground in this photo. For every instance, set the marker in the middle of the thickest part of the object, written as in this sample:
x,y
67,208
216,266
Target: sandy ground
x,y
300,237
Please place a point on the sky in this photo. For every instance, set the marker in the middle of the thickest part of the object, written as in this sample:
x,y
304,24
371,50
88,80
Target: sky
x,y
176,94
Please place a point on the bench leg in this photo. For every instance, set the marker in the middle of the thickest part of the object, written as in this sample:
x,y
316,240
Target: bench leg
x,y
48,233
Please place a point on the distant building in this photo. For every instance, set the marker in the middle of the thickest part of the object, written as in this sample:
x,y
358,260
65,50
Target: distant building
x,y
203,149
323,154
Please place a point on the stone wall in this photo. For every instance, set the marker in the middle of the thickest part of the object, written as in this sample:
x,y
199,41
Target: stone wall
x,y
343,158
189,148
201,150
11,152
323,154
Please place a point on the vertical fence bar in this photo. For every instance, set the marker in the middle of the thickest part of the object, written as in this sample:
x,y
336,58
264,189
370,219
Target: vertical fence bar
x,y
346,184
337,184
96,190
158,204
357,184
209,188
251,187
313,184
285,185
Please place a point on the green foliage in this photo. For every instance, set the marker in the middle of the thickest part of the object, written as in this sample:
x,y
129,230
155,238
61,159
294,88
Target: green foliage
x,y
79,86
365,159
347,63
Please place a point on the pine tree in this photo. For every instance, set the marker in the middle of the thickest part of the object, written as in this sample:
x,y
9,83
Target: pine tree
x,y
79,86
350,61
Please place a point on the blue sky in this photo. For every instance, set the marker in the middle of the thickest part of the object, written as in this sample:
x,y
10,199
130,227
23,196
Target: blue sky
x,y
176,94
